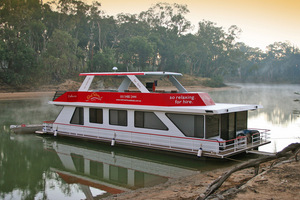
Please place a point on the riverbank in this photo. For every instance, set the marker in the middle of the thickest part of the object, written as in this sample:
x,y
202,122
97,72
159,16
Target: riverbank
x,y
280,181
10,93
24,95
49,92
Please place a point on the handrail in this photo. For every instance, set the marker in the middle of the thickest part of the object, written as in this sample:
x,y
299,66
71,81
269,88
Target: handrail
x,y
241,142
187,144
58,94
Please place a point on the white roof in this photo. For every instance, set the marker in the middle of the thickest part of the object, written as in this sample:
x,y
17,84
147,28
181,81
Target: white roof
x,y
131,73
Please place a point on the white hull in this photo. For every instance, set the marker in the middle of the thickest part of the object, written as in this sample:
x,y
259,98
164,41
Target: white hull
x,y
162,139
171,140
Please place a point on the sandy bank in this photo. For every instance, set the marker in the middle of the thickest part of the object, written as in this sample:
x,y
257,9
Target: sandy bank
x,y
24,95
50,93
281,181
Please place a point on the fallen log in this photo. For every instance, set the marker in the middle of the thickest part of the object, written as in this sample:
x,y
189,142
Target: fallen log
x,y
291,150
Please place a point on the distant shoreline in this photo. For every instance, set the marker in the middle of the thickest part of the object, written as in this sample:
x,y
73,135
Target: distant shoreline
x,y
24,95
33,95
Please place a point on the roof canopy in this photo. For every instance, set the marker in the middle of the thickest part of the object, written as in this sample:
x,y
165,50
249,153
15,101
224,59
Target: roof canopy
x,y
131,73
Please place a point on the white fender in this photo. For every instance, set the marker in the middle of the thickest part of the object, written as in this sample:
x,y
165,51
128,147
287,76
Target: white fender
x,y
113,141
200,151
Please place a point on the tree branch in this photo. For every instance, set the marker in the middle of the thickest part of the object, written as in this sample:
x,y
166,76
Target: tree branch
x,y
292,149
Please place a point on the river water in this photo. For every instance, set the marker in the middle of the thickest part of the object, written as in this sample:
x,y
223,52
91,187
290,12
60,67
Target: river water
x,y
35,167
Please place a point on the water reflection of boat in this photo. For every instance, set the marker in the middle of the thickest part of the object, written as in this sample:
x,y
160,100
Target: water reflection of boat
x,y
109,171
176,120
86,183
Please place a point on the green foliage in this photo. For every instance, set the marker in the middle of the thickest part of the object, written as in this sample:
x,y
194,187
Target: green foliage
x,y
169,16
18,64
137,51
39,44
60,60
103,61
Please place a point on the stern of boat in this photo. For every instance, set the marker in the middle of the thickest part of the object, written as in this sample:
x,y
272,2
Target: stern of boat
x,y
249,139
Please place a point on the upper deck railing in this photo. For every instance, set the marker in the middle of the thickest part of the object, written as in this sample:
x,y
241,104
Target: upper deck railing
x,y
131,77
58,94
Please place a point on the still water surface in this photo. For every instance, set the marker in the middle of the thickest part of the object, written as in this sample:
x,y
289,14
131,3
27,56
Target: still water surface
x,y
35,167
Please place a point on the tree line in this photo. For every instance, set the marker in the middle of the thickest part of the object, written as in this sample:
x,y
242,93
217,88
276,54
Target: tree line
x,y
47,43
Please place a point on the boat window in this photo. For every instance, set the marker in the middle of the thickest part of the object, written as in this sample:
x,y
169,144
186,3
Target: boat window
x,y
231,125
241,120
189,125
77,117
228,126
96,115
148,120
118,117
118,174
78,161
233,122
199,126
96,169
212,125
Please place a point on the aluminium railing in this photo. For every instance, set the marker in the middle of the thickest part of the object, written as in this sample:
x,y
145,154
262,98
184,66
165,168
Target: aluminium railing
x,y
58,94
242,143
185,144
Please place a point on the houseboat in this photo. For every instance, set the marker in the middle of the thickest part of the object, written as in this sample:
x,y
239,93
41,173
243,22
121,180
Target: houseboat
x,y
176,120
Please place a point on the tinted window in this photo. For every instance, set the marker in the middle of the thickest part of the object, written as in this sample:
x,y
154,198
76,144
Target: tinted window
x,y
118,117
241,120
96,115
212,125
148,120
77,117
189,125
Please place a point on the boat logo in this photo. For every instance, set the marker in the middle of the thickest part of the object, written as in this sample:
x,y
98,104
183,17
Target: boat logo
x,y
94,97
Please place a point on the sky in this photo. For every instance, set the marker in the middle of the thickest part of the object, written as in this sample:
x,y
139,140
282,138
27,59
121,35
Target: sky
x,y
262,22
